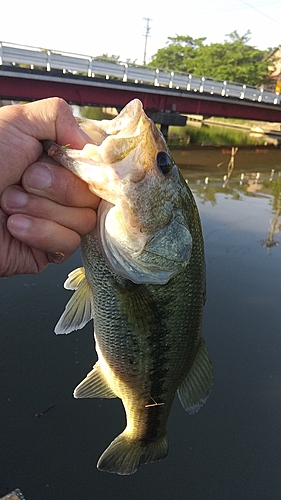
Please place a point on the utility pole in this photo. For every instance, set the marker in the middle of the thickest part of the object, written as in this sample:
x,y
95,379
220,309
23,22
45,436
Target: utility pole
x,y
146,35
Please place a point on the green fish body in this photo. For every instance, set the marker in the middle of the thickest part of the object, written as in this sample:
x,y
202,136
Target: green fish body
x,y
143,284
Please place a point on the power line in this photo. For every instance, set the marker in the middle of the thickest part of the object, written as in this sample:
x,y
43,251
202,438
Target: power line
x,y
231,9
259,11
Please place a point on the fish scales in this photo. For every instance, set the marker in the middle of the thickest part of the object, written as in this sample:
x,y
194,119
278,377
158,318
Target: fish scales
x,y
143,281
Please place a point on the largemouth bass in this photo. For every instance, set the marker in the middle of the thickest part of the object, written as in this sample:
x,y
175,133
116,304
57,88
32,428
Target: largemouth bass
x,y
143,284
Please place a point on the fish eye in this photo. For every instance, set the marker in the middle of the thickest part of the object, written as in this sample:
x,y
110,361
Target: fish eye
x,y
164,162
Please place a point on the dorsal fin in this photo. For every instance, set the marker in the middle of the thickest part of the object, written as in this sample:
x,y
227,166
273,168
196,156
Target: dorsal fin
x,y
79,309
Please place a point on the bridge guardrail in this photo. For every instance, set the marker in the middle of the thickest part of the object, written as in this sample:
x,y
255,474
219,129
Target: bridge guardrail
x,y
13,54
30,56
212,86
136,74
180,81
107,69
66,63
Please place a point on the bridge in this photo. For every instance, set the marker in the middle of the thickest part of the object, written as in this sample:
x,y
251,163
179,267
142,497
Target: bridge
x,y
30,73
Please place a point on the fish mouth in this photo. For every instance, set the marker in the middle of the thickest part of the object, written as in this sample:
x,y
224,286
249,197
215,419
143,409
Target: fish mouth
x,y
114,139
124,149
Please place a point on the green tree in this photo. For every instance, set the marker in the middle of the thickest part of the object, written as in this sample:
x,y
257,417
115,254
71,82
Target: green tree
x,y
179,53
107,57
114,58
233,60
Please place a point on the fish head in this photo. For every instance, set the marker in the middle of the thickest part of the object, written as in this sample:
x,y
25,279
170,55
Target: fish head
x,y
141,218
128,165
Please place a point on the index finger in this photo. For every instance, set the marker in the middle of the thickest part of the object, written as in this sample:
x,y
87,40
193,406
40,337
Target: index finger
x,y
58,184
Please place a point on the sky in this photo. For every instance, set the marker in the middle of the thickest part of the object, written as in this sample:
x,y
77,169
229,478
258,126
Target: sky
x,y
118,27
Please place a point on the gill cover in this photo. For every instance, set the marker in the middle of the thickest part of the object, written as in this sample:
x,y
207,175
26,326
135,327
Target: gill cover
x,y
162,256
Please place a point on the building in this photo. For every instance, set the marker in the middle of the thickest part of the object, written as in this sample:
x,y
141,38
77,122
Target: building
x,y
275,68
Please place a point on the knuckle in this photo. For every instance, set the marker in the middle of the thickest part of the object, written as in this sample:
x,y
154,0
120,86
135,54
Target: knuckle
x,y
59,103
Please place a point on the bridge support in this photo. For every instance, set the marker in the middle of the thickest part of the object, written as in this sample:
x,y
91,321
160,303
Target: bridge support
x,y
168,118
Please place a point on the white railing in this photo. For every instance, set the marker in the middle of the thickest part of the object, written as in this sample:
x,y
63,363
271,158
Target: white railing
x,y
19,55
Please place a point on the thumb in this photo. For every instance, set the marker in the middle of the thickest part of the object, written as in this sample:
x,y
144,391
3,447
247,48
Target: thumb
x,y
22,127
53,119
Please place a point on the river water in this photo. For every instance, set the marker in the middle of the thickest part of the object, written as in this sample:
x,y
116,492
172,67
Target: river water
x,y
230,449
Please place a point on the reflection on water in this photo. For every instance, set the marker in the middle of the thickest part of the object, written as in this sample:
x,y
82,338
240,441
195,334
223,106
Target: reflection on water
x,y
231,448
235,183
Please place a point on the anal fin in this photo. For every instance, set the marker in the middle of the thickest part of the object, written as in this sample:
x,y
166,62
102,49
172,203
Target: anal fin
x,y
195,388
94,385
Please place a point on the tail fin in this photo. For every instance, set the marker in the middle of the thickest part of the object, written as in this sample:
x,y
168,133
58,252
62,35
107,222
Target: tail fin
x,y
124,456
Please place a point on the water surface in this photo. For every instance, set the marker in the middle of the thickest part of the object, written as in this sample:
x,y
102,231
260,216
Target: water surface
x,y
230,450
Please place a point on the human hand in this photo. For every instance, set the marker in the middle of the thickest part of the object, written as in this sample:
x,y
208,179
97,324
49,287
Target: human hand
x,y
44,207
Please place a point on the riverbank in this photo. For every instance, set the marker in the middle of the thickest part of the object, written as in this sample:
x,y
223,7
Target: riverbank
x,y
217,157
257,127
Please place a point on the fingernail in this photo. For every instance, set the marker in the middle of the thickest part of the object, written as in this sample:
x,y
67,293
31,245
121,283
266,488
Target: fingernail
x,y
56,257
19,223
16,198
39,178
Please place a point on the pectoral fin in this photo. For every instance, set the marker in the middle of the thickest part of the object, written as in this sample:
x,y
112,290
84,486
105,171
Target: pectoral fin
x,y
79,310
94,386
75,278
195,388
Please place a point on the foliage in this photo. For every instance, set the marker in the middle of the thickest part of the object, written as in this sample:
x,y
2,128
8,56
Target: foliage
x,y
233,60
211,136
95,113
114,58
107,57
180,53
